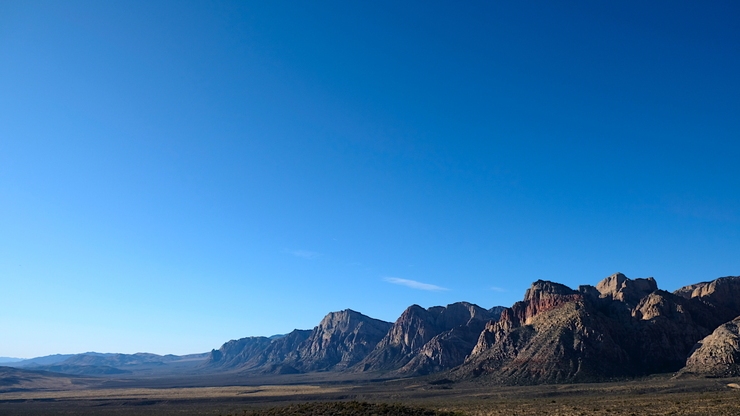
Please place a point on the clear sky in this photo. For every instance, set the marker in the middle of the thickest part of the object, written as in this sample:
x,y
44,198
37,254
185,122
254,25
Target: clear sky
x,y
174,175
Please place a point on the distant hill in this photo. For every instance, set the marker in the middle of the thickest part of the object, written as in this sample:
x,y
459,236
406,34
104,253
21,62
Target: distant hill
x,y
45,360
107,364
16,379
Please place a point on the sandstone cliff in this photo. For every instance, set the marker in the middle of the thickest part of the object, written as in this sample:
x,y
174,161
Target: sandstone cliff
x,y
722,294
619,328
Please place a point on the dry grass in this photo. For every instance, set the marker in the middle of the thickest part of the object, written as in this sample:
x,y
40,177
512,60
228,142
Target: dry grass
x,y
655,396
190,393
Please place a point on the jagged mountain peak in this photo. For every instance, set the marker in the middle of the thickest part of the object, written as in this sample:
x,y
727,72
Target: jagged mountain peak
x,y
343,318
715,288
707,288
543,289
722,294
341,340
621,288
417,326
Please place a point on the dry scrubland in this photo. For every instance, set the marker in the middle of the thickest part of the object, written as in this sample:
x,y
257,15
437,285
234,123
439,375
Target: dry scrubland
x,y
654,396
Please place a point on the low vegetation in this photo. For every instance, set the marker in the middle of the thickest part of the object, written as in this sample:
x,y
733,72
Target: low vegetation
x,y
353,408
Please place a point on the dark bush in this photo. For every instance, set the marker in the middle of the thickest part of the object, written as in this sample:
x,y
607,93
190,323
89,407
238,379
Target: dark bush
x,y
349,409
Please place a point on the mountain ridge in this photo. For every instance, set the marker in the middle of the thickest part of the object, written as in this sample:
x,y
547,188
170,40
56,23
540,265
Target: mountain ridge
x,y
618,328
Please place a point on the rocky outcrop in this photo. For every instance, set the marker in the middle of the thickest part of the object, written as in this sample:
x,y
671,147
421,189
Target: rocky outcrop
x,y
621,327
445,351
717,355
618,287
341,340
416,328
722,294
566,343
666,328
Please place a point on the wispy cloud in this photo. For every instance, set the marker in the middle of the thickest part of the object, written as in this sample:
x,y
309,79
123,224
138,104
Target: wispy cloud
x,y
304,254
413,284
497,289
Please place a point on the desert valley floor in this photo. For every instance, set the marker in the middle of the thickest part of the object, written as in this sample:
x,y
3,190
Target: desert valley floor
x,y
656,395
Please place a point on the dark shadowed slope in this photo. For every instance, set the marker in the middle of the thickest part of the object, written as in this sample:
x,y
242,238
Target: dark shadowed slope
x,y
339,341
417,327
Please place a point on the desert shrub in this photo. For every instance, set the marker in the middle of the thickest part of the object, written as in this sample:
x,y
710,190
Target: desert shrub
x,y
353,408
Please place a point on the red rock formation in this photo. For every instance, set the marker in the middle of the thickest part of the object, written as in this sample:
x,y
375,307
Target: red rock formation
x,y
620,327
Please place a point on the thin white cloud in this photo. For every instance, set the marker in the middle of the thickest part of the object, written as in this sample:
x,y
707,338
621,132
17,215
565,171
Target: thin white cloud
x,y
498,289
413,284
304,254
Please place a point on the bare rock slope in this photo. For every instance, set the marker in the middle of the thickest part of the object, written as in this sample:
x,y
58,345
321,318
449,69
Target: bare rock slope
x,y
717,355
341,340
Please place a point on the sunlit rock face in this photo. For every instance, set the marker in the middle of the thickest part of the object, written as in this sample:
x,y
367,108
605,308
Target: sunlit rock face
x,y
619,287
722,294
619,328
717,355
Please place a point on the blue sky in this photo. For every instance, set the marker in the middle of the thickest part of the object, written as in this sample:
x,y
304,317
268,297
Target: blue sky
x,y
177,174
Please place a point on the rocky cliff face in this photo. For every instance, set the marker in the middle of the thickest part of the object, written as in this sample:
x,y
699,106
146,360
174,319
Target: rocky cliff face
x,y
341,340
717,355
416,328
665,329
445,351
620,327
563,344
722,294
618,287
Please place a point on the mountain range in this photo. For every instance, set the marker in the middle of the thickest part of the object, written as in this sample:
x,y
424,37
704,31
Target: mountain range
x,y
619,328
